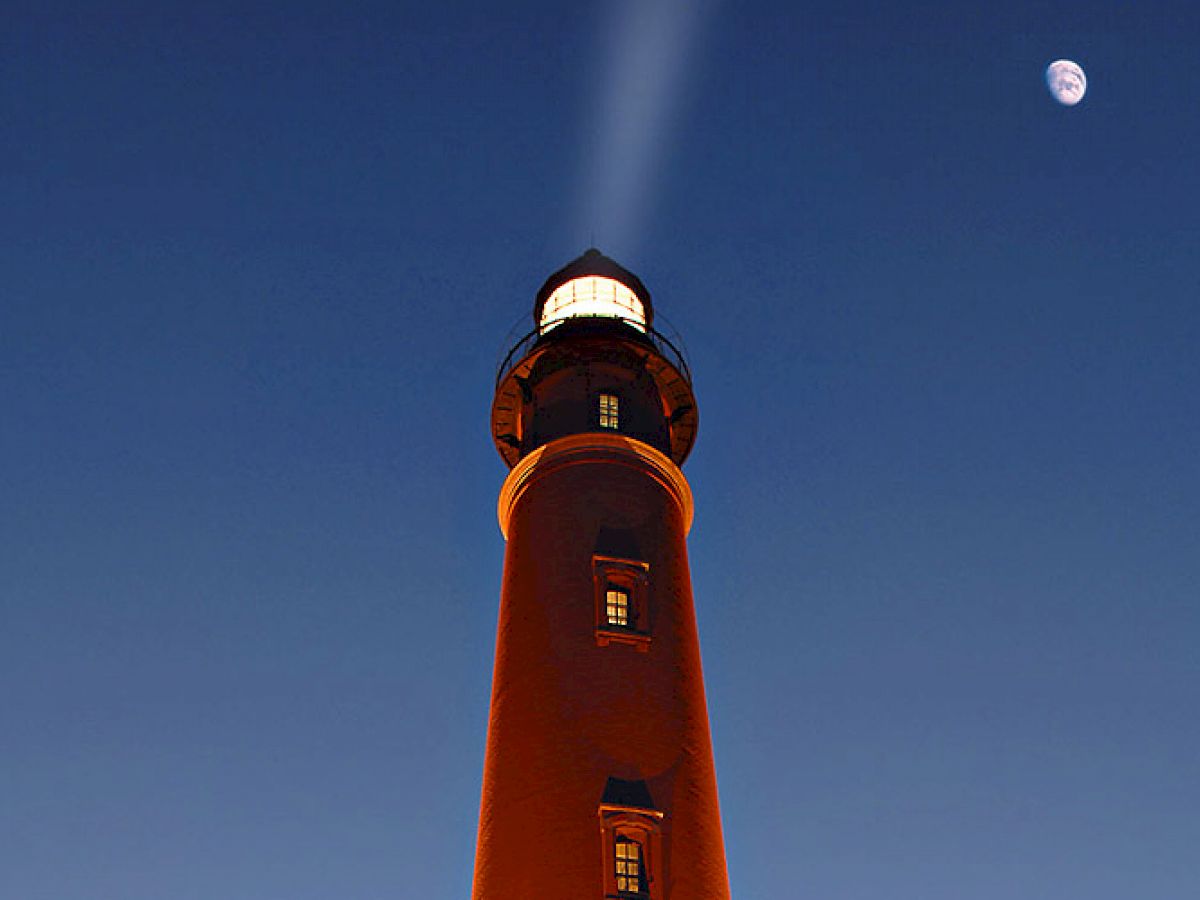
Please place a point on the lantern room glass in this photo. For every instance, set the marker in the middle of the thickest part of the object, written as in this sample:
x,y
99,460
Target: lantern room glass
x,y
592,296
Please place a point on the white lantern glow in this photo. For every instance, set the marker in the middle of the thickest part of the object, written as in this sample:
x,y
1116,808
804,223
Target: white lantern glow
x,y
592,296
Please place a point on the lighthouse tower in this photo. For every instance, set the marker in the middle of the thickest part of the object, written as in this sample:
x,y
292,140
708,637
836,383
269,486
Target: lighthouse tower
x,y
598,780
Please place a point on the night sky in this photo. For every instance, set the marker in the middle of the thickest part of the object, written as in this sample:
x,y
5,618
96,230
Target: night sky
x,y
257,265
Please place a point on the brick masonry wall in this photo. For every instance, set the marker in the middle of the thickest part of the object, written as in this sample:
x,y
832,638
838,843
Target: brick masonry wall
x,y
567,714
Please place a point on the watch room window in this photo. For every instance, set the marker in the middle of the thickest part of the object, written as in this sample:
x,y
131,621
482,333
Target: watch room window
x,y
609,411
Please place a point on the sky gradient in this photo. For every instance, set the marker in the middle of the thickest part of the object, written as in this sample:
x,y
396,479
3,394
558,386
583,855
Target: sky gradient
x,y
257,264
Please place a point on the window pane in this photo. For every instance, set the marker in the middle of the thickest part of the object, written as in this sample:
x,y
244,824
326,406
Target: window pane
x,y
617,607
609,409
628,866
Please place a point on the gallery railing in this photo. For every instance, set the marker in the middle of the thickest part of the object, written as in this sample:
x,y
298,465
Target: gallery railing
x,y
520,346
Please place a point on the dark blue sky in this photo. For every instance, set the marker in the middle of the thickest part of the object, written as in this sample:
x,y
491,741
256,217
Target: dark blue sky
x,y
256,267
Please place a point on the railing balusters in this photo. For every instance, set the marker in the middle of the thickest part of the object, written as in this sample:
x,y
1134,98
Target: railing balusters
x,y
659,341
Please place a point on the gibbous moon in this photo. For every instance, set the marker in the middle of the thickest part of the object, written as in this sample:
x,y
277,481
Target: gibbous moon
x,y
1066,81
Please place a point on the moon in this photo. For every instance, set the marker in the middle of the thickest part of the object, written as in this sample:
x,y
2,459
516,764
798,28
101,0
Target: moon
x,y
1066,81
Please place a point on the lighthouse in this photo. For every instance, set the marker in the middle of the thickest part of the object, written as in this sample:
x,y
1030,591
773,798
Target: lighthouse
x,y
598,779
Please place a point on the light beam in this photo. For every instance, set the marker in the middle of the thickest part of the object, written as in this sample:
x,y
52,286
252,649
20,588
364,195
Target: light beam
x,y
650,45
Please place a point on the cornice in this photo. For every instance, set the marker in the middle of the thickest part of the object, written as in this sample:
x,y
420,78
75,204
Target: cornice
x,y
594,447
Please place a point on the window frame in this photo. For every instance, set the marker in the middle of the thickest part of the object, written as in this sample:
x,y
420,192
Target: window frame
x,y
643,827
610,419
634,856
633,578
618,605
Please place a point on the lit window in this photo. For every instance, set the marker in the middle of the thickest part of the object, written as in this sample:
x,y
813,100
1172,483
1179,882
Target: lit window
x,y
609,411
617,607
622,602
632,841
630,871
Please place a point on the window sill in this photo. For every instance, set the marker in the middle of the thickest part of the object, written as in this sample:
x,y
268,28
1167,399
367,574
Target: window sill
x,y
636,639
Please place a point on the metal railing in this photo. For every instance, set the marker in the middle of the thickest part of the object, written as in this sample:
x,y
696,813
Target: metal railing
x,y
520,347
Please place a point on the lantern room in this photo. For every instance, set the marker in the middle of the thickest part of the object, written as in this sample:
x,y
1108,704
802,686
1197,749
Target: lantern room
x,y
593,286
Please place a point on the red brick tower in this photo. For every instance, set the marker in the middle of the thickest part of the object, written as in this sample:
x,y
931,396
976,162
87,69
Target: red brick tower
x,y
598,780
